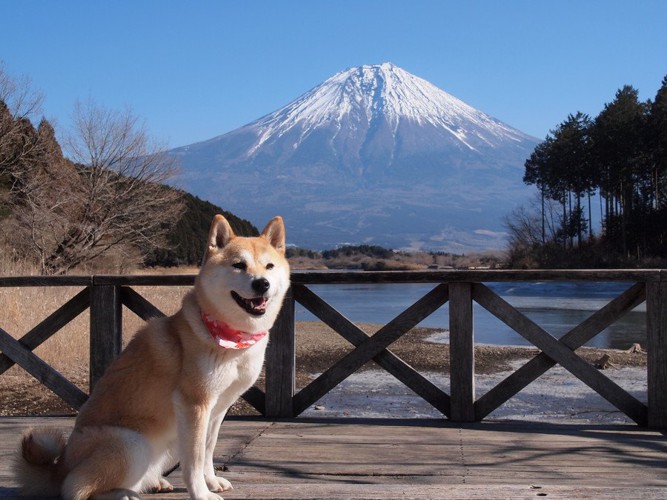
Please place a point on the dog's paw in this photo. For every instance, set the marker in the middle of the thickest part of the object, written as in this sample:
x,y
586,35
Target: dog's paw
x,y
118,494
164,486
207,496
218,483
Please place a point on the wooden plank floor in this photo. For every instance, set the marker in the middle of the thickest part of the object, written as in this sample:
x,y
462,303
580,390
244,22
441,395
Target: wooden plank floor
x,y
383,459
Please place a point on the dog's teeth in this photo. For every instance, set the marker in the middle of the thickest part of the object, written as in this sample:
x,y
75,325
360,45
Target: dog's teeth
x,y
256,306
259,303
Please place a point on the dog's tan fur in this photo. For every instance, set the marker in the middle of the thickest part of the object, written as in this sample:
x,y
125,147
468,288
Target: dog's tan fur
x,y
163,399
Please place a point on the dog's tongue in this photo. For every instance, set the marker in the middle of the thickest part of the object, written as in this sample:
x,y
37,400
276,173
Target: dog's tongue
x,y
259,303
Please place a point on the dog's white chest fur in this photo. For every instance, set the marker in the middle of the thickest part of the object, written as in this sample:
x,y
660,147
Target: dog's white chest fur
x,y
228,373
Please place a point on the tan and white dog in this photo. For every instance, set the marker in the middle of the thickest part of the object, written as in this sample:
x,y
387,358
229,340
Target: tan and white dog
x,y
164,398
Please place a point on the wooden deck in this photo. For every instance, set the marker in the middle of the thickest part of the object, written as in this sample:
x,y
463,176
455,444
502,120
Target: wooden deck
x,y
383,459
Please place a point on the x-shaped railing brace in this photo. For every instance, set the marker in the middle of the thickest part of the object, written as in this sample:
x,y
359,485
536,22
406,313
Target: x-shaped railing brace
x,y
20,351
561,352
372,348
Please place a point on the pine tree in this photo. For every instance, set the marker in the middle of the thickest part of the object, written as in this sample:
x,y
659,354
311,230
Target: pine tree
x,y
619,146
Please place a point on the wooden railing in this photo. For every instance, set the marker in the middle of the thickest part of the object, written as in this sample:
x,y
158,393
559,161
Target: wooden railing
x,y
105,297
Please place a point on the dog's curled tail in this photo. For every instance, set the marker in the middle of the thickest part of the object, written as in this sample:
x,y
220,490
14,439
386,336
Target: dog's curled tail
x,y
36,468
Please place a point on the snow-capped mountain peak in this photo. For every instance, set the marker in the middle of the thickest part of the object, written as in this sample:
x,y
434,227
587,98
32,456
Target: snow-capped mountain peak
x,y
382,92
373,154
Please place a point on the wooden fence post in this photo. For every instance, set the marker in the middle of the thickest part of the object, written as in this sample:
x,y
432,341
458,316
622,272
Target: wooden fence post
x,y
656,348
461,353
280,365
106,335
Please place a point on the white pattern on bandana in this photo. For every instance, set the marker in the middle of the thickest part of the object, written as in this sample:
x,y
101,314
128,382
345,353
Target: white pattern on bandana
x,y
229,338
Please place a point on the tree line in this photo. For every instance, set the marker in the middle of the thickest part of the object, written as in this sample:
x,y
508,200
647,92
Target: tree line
x,y
103,192
612,168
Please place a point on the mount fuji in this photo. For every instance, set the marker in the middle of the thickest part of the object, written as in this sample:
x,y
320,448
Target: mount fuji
x,y
373,155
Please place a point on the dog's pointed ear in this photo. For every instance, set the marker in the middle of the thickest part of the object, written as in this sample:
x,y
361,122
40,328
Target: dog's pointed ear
x,y
275,233
219,235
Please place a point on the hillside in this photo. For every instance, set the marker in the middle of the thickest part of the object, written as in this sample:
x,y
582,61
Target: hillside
x,y
187,238
59,215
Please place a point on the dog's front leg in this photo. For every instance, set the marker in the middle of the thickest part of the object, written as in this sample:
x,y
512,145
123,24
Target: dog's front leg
x,y
192,419
214,482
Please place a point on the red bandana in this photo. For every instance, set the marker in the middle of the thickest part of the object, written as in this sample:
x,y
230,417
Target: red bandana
x,y
229,338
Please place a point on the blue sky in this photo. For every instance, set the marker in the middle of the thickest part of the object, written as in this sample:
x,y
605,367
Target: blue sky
x,y
194,70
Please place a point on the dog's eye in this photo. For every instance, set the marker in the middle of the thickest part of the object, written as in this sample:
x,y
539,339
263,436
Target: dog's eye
x,y
240,265
269,266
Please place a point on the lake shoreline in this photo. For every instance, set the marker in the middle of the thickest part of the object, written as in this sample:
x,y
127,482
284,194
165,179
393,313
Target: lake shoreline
x,y
556,396
318,347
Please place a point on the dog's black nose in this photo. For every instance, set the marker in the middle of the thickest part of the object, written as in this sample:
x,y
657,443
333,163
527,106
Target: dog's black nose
x,y
261,285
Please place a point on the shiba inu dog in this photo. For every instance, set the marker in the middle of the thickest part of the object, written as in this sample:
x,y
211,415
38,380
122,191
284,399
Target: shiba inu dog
x,y
164,398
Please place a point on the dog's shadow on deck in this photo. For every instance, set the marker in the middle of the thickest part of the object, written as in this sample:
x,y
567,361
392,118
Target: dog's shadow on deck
x,y
13,493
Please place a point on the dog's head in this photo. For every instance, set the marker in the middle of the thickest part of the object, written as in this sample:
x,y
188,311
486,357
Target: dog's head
x,y
243,280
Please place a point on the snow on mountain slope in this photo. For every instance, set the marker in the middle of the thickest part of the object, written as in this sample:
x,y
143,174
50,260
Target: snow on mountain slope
x,y
383,92
373,154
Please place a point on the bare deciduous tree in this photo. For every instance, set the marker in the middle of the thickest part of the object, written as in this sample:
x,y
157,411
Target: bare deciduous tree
x,y
19,95
120,198
110,194
18,103
529,226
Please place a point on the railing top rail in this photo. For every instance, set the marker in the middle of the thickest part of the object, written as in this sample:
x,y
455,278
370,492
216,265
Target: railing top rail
x,y
97,280
475,275
359,277
147,280
24,281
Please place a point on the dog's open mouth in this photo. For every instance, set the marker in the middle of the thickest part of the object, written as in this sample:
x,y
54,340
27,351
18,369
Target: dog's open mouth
x,y
256,306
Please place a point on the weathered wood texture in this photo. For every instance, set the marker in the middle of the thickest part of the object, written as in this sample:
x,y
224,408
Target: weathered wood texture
x,y
105,295
281,363
562,354
374,347
390,459
573,339
476,276
43,372
386,359
461,353
20,352
49,326
656,332
106,329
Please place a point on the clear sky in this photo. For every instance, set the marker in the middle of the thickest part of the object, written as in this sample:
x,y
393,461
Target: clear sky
x,y
195,70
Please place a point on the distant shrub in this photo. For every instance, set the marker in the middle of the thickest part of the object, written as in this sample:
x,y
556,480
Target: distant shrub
x,y
367,250
293,252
